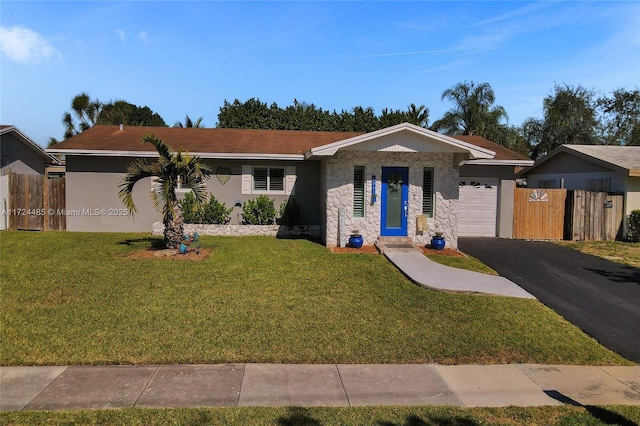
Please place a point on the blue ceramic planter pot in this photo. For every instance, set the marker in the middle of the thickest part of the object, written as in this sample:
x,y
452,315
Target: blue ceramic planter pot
x,y
356,241
437,243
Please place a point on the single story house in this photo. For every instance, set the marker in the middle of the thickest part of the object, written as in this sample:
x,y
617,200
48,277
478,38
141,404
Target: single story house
x,y
597,168
20,154
403,180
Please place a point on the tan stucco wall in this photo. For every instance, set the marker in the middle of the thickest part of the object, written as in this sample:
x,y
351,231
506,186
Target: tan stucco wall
x,y
339,177
92,185
632,201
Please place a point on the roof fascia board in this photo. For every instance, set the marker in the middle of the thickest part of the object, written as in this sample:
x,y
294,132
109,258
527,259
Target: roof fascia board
x,y
30,142
490,162
154,154
332,148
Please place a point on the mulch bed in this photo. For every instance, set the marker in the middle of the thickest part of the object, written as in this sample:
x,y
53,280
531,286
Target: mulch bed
x,y
373,249
171,254
363,249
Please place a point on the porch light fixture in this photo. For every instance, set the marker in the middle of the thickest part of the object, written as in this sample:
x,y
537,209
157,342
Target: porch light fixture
x,y
373,189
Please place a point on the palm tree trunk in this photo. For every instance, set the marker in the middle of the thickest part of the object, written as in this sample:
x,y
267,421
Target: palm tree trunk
x,y
173,228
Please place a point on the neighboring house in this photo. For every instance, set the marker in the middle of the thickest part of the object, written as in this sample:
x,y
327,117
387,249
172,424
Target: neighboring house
x,y
21,154
598,168
383,183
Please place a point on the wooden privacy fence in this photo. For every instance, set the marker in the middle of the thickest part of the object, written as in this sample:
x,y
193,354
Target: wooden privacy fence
x,y
594,216
555,214
36,203
538,214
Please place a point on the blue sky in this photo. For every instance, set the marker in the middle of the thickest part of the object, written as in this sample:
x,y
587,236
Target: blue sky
x,y
188,57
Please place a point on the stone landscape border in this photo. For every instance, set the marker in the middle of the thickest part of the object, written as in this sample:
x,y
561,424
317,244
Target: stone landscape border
x,y
279,231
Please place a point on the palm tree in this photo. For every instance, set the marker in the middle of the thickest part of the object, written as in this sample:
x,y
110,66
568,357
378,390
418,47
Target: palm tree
x,y
169,170
418,115
472,112
188,122
86,111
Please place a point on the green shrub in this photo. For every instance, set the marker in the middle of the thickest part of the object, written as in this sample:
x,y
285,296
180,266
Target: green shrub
x,y
190,208
289,212
212,212
633,226
260,211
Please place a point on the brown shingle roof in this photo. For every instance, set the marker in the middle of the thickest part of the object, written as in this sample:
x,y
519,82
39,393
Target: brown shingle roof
x,y
502,153
230,141
201,140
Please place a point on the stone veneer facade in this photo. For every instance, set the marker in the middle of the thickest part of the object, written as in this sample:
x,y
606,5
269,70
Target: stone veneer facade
x,y
339,184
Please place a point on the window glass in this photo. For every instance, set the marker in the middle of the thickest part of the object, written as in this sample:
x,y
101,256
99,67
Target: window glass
x,y
260,178
276,179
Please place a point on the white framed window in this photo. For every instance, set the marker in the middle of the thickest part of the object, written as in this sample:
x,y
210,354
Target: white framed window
x,y
268,179
180,187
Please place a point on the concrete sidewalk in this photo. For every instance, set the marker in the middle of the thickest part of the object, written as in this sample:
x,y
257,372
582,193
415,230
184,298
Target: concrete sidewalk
x,y
103,387
428,273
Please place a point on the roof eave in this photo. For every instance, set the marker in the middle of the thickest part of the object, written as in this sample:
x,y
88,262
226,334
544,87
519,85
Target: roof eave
x,y
493,162
154,154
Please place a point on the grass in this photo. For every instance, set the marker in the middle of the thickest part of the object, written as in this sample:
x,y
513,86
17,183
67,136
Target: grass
x,y
382,416
466,262
76,298
616,251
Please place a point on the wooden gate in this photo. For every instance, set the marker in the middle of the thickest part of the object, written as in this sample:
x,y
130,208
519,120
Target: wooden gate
x,y
539,214
594,216
36,203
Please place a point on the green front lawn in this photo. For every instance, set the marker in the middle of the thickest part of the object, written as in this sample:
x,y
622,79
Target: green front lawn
x,y
76,298
390,416
616,251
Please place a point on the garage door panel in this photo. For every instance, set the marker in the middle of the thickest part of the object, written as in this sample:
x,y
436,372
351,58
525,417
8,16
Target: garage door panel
x,y
477,207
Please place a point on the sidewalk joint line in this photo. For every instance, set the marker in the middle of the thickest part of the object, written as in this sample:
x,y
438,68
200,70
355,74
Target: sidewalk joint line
x,y
146,385
342,383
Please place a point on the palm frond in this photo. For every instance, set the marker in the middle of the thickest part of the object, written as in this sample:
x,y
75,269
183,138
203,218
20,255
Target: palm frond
x,y
136,171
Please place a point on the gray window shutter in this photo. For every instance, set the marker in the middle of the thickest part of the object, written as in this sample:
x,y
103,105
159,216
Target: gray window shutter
x,y
246,179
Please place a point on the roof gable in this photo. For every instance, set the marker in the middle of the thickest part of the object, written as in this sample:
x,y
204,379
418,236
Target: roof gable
x,y
621,159
27,141
403,137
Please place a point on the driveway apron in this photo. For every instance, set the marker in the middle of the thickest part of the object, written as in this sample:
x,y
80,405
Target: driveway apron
x,y
599,296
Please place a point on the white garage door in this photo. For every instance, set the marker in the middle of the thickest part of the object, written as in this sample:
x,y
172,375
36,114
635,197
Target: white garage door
x,y
477,207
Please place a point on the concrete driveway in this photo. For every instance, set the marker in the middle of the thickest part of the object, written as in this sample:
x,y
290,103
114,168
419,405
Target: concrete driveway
x,y
599,296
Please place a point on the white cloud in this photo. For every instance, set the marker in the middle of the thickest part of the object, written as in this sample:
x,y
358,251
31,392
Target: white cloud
x,y
25,45
122,35
143,36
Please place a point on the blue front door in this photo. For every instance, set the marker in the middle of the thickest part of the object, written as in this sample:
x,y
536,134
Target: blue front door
x,y
395,201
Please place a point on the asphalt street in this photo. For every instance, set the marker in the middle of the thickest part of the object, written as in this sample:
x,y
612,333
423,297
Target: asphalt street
x,y
599,296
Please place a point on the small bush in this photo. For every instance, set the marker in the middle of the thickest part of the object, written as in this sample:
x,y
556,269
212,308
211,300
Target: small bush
x,y
633,226
212,212
260,211
289,212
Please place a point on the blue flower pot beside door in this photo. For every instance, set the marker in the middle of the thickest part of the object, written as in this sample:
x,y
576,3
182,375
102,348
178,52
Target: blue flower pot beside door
x,y
356,241
437,242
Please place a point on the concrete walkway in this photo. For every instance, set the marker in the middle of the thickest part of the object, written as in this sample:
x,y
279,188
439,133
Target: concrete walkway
x,y
103,387
428,273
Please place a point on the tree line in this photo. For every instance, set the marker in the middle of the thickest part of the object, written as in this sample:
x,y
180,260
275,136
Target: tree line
x,y
571,115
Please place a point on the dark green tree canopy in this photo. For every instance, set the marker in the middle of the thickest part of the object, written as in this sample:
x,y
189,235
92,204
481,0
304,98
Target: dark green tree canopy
x,y
254,114
122,112
86,113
